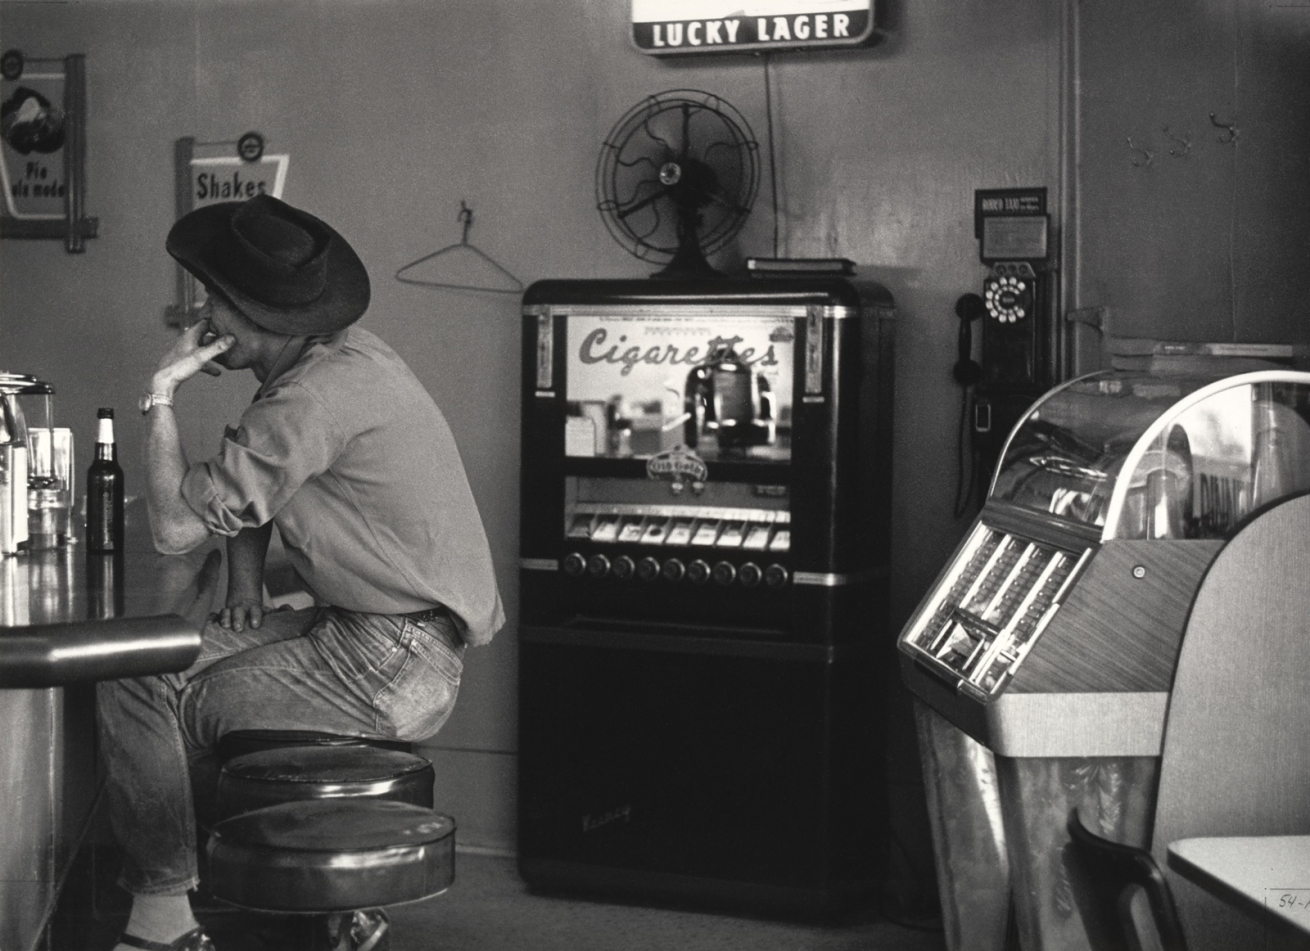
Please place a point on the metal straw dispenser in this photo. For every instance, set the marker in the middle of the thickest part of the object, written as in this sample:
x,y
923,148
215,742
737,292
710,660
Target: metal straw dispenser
x,y
1050,637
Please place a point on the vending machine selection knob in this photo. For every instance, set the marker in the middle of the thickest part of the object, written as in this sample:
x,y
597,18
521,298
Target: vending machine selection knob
x,y
775,576
750,574
698,571
623,567
674,570
574,564
724,573
598,566
648,569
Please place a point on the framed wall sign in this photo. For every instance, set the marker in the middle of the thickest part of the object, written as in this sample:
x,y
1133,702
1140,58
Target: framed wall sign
x,y
674,27
43,149
206,173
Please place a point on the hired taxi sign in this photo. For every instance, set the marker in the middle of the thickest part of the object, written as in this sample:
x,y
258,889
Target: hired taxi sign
x,y
667,27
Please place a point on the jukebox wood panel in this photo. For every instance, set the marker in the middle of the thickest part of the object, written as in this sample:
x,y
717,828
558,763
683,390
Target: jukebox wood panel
x,y
705,511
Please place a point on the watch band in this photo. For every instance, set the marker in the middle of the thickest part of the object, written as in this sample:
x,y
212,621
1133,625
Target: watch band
x,y
154,399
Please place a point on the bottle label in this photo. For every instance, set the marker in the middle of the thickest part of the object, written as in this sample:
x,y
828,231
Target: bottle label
x,y
106,431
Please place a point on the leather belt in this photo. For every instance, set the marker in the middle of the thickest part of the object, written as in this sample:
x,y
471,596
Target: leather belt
x,y
431,614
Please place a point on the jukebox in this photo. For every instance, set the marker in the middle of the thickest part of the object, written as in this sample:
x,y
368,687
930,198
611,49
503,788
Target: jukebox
x,y
705,511
1042,656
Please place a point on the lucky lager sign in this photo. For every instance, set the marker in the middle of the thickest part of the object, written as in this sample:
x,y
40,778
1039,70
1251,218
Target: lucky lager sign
x,y
666,27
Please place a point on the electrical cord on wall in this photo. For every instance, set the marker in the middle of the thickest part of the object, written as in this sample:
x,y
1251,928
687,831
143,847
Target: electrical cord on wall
x,y
968,460
773,165
967,374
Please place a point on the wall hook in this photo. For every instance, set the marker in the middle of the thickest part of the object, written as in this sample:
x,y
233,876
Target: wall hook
x,y
1229,127
1143,157
465,216
1184,143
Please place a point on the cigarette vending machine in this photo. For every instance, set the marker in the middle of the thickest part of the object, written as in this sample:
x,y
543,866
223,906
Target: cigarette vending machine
x,y
705,509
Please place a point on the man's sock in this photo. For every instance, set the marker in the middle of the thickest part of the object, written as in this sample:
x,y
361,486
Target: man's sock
x,y
163,918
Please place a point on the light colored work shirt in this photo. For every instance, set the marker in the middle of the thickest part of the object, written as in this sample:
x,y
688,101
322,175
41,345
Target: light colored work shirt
x,y
345,451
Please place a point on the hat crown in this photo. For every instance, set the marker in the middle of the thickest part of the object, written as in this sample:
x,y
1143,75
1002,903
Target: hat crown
x,y
274,238
277,255
284,268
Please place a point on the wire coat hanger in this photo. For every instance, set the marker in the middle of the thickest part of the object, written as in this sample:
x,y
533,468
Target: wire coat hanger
x,y
466,217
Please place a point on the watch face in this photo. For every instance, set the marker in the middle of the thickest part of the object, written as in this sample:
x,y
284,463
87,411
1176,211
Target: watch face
x,y
146,403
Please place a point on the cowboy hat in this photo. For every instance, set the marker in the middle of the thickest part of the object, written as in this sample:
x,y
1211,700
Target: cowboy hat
x,y
283,268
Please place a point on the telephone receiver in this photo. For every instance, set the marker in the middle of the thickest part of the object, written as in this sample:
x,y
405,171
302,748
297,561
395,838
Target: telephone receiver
x,y
967,371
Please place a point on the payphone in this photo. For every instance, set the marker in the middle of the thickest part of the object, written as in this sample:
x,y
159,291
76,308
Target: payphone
x,y
1012,226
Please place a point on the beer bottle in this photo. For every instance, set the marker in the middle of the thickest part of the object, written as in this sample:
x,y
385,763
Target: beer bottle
x,y
104,491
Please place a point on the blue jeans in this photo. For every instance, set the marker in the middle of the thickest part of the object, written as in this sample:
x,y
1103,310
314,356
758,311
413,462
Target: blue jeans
x,y
323,669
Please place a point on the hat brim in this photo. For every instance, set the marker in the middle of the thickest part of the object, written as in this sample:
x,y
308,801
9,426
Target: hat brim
x,y
194,242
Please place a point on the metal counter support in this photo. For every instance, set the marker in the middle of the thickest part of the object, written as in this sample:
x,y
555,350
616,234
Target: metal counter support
x,y
68,619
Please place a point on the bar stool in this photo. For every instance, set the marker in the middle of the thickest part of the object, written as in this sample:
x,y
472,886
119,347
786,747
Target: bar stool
x,y
329,826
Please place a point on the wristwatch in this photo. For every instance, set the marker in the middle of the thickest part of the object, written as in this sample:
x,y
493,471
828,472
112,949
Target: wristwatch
x,y
154,399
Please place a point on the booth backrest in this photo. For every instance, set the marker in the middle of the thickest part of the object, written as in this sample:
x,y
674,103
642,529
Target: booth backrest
x,y
1236,758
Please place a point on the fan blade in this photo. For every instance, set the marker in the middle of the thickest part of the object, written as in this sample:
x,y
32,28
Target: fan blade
x,y
719,198
637,206
653,134
686,132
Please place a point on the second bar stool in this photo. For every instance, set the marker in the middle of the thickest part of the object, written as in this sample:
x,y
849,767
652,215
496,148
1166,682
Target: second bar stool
x,y
330,826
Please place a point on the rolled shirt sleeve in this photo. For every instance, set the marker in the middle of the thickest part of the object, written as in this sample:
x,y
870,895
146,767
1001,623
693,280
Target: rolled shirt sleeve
x,y
285,438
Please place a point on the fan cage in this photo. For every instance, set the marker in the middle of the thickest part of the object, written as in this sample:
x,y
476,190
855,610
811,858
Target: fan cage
x,y
736,134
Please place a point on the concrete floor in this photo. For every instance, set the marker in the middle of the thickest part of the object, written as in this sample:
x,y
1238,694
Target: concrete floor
x,y
490,909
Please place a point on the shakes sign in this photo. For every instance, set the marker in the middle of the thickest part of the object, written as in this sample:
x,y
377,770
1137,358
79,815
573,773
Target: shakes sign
x,y
221,173
665,27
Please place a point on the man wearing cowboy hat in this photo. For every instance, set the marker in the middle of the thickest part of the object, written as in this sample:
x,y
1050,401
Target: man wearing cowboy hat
x,y
344,450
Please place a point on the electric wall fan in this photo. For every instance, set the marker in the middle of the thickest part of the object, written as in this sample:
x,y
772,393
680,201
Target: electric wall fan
x,y
676,178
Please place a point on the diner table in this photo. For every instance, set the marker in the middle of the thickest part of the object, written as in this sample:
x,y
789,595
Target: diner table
x,y
1267,877
69,619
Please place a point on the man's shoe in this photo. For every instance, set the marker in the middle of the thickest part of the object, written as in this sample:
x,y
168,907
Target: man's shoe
x,y
368,930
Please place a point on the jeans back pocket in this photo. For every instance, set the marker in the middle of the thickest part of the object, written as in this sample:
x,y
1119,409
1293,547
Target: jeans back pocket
x,y
416,703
